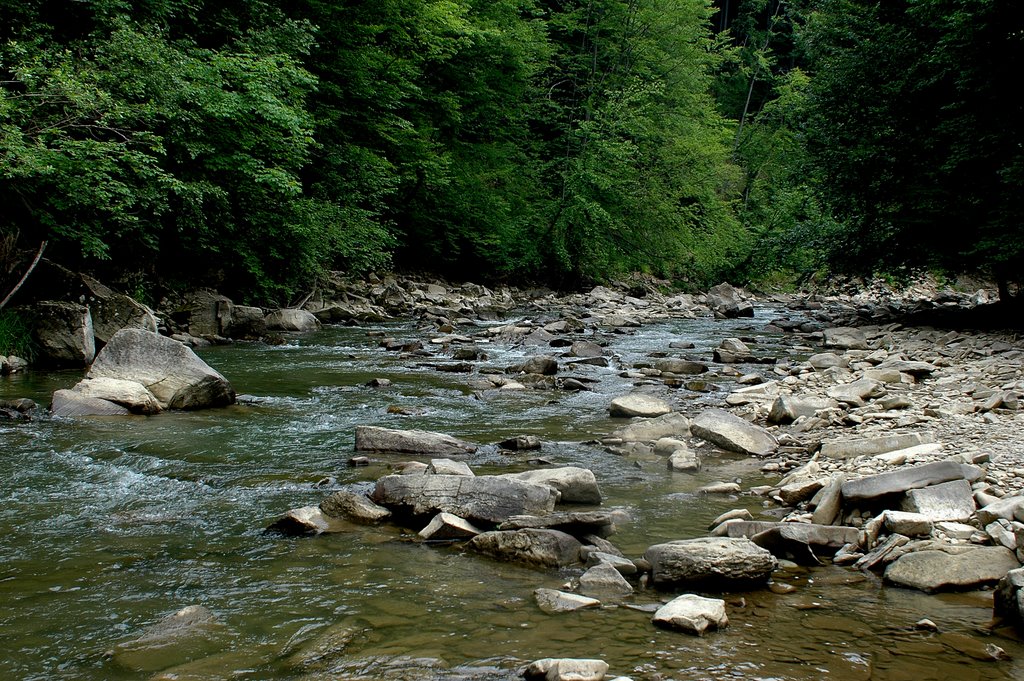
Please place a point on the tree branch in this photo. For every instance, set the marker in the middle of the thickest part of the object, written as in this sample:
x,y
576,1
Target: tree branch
x,y
35,261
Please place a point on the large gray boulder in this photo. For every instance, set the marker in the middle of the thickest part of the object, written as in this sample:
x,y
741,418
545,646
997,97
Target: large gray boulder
x,y
726,301
1009,598
875,486
845,338
730,432
204,313
692,614
486,499
573,484
69,403
638,404
951,500
646,430
788,408
769,535
130,394
63,333
170,371
545,548
711,561
290,319
376,439
112,311
952,568
354,507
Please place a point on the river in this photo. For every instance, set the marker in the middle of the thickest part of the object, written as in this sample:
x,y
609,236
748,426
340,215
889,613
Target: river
x,y
107,525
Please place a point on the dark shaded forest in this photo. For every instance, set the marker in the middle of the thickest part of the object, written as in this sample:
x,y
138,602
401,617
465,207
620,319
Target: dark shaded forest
x,y
251,146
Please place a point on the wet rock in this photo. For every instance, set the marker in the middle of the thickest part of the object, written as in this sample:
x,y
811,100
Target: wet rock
x,y
246,322
788,408
112,311
580,524
720,488
826,539
730,432
553,601
169,370
204,313
448,527
323,649
448,467
709,561
828,501
62,332
648,430
604,579
908,524
184,635
946,501
845,338
624,565
876,486
487,499
586,349
306,521
1009,598
692,614
734,514
857,393
937,570
354,507
543,365
289,319
377,439
638,404
870,446
566,669
544,548
684,461
521,443
68,403
682,367
733,351
574,485
1010,508
725,300
131,395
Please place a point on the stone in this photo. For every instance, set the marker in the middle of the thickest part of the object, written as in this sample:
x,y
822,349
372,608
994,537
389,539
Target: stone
x,y
1009,508
565,669
316,654
521,443
448,467
730,432
539,547
573,485
734,514
553,601
908,523
580,524
483,498
638,404
290,319
542,365
845,338
1008,603
186,634
647,430
684,461
826,360
584,348
204,313
936,570
788,408
68,403
725,300
131,395
306,521
112,311
377,439
604,579
712,561
720,488
62,333
821,538
246,322
875,486
857,393
449,527
871,446
914,368
692,614
828,502
682,367
802,490
951,500
884,553
624,565
173,373
733,351
354,507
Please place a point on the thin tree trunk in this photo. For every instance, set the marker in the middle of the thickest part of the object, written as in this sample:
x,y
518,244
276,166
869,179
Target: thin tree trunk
x,y
39,256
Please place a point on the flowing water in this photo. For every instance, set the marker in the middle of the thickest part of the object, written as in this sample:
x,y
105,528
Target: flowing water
x,y
109,524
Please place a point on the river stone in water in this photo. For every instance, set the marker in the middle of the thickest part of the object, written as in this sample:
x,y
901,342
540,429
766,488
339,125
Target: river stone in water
x,y
62,332
448,527
692,614
638,404
172,372
553,601
574,485
353,506
680,366
603,578
1009,597
845,338
290,319
576,523
376,439
68,403
730,432
449,467
305,521
710,561
131,395
646,430
546,548
566,669
937,570
186,634
483,498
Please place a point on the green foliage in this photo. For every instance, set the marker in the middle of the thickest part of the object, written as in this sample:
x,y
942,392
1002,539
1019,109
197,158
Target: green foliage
x,y
15,336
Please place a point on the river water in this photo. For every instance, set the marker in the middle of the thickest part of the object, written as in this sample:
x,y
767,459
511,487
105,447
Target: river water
x,y
108,525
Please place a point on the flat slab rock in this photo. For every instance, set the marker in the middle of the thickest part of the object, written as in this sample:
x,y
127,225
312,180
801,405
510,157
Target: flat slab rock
x,y
376,439
710,560
483,498
915,477
638,404
730,432
566,669
692,614
574,485
951,501
832,537
937,570
544,548
576,523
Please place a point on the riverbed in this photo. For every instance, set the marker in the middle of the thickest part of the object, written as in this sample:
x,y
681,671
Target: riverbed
x,y
109,524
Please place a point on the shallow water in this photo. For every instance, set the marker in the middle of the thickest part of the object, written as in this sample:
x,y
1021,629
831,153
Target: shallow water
x,y
107,525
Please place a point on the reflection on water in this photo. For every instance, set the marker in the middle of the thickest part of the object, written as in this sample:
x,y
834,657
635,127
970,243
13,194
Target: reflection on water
x,y
109,524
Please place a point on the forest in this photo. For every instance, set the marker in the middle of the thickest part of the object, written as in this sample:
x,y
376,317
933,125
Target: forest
x,y
251,145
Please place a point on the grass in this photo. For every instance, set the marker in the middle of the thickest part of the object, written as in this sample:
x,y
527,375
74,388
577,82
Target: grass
x,y
15,336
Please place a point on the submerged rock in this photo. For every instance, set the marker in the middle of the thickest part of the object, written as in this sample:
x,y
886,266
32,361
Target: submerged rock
x,y
181,636
553,601
939,570
713,561
545,548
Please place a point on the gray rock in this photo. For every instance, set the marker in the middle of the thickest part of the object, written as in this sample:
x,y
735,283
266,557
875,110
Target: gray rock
x,y
845,338
112,311
376,439
565,669
483,498
682,367
788,408
169,370
604,579
586,349
62,332
448,467
684,461
908,524
916,369
951,500
801,490
131,395
186,634
827,360
68,403
624,565
828,502
935,570
553,601
448,527
647,430
306,521
1009,598
246,322
856,393
726,301
204,313
521,443
543,365
875,486
730,432
849,448
545,548
354,507
577,523
692,614
574,485
290,319
821,538
638,404
1009,507
709,561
